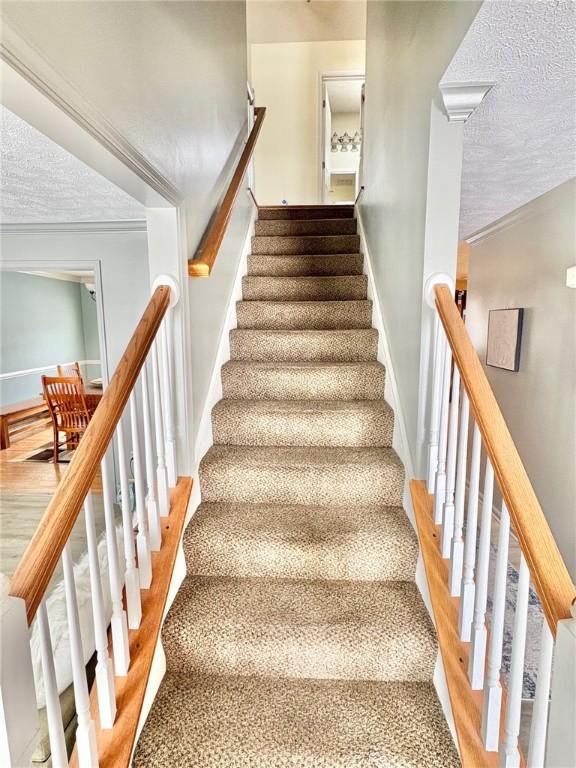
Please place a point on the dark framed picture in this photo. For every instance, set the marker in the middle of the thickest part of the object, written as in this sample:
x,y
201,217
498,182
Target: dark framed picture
x,y
504,338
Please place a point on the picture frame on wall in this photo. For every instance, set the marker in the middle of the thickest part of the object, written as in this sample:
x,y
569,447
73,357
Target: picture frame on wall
x,y
504,338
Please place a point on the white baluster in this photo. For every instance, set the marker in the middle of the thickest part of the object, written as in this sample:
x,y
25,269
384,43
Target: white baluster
x,y
142,545
448,516
104,672
161,471
168,402
539,724
477,657
118,622
85,732
439,350
53,710
457,553
440,487
468,586
509,752
131,576
154,533
492,687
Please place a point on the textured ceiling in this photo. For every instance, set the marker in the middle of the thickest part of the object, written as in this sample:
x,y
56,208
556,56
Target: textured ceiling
x,y
41,182
521,141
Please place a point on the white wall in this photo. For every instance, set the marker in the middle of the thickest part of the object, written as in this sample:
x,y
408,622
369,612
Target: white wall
x,y
522,263
408,47
286,78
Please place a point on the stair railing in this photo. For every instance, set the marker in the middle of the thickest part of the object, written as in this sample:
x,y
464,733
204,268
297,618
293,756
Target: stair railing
x,y
137,404
472,462
202,265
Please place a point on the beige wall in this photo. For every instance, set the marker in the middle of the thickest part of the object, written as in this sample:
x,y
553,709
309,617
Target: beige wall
x,y
523,264
286,78
282,21
408,47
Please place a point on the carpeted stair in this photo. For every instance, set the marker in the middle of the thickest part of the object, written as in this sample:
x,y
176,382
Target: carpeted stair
x,y
299,637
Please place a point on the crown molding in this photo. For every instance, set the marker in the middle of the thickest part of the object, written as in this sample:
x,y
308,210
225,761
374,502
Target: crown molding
x,y
529,210
73,227
34,68
461,99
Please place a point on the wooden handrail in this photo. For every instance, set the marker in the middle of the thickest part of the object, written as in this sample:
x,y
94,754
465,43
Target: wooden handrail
x,y
202,266
547,568
39,561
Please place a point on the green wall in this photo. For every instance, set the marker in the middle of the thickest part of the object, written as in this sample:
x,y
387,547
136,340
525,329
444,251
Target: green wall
x,y
42,322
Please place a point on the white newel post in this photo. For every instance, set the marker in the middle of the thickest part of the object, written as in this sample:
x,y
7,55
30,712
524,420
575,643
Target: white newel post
x,y
561,742
165,335
18,710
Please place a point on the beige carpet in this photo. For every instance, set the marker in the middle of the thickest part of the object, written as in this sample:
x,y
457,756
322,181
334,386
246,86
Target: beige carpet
x,y
299,637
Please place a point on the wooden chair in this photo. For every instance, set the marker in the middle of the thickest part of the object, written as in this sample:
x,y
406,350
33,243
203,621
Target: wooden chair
x,y
68,410
66,371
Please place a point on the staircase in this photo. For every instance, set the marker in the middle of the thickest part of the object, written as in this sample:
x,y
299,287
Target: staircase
x,y
299,637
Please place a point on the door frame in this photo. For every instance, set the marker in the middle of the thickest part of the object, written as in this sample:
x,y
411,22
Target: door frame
x,y
323,79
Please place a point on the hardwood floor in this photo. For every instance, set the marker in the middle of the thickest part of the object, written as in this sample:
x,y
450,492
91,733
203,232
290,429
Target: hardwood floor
x,y
18,475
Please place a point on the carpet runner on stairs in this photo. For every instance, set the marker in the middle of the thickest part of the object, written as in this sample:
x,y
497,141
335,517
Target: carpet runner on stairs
x,y
299,637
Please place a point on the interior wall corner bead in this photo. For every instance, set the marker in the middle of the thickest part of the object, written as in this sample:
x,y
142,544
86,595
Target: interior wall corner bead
x,y
461,99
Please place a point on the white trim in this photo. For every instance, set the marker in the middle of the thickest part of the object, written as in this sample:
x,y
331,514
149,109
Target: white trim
x,y
30,371
461,99
73,227
33,90
400,441
529,210
323,77
204,439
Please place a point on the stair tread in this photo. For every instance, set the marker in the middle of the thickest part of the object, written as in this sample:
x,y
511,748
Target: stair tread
x,y
296,541
295,227
304,287
288,344
305,265
303,422
248,722
323,629
302,475
305,244
266,380
319,315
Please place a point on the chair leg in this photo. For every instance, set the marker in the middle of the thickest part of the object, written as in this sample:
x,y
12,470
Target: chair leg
x,y
56,459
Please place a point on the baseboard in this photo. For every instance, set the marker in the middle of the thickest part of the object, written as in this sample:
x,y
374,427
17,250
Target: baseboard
x,y
400,441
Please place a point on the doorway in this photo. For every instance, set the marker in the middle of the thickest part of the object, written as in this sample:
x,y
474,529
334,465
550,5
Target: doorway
x,y
341,123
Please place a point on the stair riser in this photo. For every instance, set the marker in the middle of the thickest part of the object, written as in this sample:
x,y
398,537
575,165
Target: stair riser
x,y
306,227
330,640
307,428
317,484
307,244
351,288
302,346
316,315
364,544
303,266
299,213
353,382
